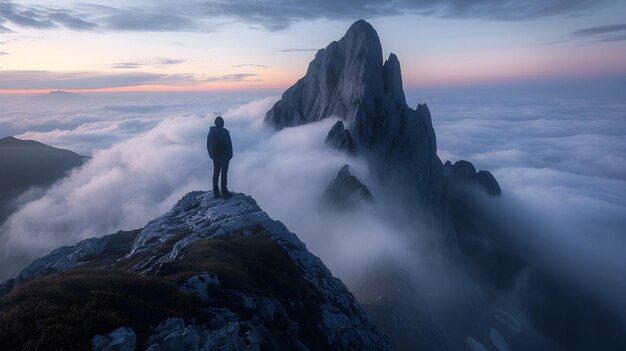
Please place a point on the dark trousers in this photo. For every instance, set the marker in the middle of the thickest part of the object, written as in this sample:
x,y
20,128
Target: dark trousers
x,y
220,167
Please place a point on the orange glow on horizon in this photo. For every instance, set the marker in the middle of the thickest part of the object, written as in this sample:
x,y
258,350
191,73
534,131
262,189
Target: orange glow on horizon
x,y
153,88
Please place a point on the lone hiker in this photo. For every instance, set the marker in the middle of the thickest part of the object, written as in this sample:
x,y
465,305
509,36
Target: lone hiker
x,y
220,149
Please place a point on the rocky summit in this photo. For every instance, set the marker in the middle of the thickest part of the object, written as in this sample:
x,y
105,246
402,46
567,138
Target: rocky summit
x,y
339,138
463,173
208,275
346,192
349,80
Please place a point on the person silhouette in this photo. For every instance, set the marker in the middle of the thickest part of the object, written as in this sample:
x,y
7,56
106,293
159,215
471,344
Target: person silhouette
x,y
220,150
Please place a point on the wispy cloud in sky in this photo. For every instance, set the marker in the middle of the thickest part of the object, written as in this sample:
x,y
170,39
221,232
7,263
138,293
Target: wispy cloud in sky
x,y
251,65
127,65
609,32
168,61
40,17
148,17
270,14
224,39
45,80
297,50
280,14
154,62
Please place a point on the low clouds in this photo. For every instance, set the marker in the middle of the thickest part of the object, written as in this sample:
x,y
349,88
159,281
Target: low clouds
x,y
272,15
84,204
562,166
560,163
149,161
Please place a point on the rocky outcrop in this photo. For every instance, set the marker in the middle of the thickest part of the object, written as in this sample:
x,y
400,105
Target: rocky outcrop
x,y
339,138
237,278
122,339
345,74
346,192
464,173
226,333
349,80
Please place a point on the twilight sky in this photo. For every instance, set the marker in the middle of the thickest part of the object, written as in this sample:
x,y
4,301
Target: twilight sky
x,y
217,44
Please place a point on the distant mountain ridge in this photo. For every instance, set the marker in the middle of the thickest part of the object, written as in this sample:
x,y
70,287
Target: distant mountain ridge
x,y
61,95
28,163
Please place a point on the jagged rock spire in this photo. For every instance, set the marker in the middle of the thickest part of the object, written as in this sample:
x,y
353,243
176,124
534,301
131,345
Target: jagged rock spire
x,y
346,192
349,80
345,73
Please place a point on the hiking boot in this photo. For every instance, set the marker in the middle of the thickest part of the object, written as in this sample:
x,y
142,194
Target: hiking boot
x,y
216,193
226,194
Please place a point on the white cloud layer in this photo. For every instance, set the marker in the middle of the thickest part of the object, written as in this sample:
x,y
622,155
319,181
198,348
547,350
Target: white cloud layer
x,y
560,163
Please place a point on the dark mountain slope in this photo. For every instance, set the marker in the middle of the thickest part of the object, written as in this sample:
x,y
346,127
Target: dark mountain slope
x,y
211,273
28,163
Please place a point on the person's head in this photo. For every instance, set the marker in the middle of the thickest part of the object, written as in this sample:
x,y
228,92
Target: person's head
x,y
219,122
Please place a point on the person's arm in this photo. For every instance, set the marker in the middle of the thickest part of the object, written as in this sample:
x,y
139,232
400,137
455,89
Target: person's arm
x,y
230,146
209,139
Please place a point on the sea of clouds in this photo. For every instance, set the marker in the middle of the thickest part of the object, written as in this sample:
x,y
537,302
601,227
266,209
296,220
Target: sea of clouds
x,y
149,150
561,163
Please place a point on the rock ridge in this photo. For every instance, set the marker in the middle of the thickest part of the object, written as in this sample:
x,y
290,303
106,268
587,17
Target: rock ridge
x,y
244,269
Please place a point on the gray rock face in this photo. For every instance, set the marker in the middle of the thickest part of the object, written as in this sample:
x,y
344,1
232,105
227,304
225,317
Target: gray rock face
x,y
339,138
463,173
348,80
346,192
89,252
173,335
298,305
344,74
201,284
122,339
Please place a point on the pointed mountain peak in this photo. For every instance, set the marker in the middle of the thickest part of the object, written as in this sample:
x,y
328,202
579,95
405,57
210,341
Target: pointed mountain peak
x,y
392,76
362,27
363,44
344,171
9,140
345,74
346,192
339,138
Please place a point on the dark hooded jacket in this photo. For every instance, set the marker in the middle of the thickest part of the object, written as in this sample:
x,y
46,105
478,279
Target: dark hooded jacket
x,y
221,136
